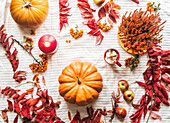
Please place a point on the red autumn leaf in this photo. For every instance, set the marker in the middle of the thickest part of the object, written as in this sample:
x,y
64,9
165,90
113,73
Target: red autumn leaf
x,y
156,83
136,105
5,43
109,8
136,1
22,96
93,116
157,100
16,119
16,96
4,115
38,108
64,13
95,31
10,105
35,77
17,108
34,102
19,76
6,90
141,84
165,69
85,8
155,116
166,78
153,108
99,39
164,92
25,111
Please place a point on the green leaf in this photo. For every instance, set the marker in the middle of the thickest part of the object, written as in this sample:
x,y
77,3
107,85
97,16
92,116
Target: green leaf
x,y
159,5
28,44
131,65
25,38
156,10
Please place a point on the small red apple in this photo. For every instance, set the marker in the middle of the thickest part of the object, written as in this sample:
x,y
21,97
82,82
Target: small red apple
x,y
128,95
99,2
121,112
123,85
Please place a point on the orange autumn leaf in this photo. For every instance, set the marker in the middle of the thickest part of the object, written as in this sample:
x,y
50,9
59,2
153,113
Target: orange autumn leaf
x,y
43,80
29,91
35,77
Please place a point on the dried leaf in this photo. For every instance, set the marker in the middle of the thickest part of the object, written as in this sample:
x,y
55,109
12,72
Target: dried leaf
x,y
86,10
64,13
136,1
19,76
16,119
7,46
4,115
43,80
155,116
10,105
117,93
95,31
113,95
69,115
109,8
22,96
17,108
35,77
30,91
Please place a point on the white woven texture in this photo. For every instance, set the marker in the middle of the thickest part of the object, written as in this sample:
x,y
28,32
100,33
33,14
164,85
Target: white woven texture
x,y
82,49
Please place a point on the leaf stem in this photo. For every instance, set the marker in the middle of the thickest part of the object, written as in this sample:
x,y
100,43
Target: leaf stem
x,y
24,83
27,51
150,110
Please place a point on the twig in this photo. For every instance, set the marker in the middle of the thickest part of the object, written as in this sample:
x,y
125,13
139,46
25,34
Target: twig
x,y
24,83
150,110
27,51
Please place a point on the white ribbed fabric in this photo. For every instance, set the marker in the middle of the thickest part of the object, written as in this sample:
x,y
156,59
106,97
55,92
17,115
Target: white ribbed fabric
x,y
82,49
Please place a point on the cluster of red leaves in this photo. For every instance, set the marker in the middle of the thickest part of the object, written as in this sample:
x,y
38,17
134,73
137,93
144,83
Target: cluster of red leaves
x,y
40,109
116,97
157,84
136,1
93,116
110,8
86,10
64,13
19,76
95,31
12,56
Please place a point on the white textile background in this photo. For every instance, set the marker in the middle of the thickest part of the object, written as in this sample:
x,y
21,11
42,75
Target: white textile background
x,y
82,49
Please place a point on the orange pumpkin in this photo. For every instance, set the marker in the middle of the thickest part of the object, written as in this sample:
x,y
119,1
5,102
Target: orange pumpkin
x,y
29,13
80,83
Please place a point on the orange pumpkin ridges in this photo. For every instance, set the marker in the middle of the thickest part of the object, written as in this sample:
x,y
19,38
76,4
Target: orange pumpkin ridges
x,y
29,13
80,83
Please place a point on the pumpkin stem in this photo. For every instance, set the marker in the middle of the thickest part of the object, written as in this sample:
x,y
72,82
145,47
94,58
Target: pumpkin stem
x,y
79,82
27,5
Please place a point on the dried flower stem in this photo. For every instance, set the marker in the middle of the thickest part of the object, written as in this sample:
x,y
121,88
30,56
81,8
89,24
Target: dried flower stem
x,y
27,51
